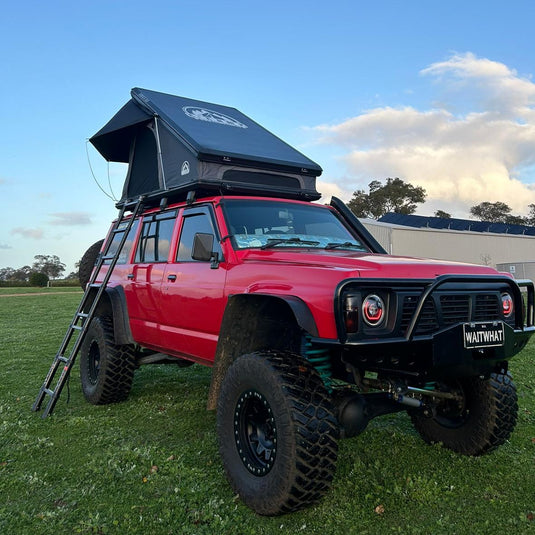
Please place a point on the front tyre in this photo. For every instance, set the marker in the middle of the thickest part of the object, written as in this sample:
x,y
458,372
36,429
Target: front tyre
x,y
482,421
106,369
277,432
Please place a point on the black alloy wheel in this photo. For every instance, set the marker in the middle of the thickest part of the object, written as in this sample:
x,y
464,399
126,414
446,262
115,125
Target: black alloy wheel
x,y
255,432
277,432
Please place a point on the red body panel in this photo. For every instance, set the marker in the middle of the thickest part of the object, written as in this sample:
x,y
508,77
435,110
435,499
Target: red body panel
x,y
315,275
177,307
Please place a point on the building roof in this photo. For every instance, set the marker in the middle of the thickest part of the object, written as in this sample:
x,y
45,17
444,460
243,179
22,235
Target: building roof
x,y
418,221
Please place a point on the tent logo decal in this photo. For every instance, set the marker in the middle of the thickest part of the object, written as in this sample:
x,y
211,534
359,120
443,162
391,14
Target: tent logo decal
x,y
185,168
210,116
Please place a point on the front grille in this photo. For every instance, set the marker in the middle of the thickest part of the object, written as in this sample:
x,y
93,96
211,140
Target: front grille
x,y
428,318
455,308
443,309
487,307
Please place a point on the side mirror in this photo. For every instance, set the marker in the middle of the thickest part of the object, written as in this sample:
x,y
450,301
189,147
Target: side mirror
x,y
203,249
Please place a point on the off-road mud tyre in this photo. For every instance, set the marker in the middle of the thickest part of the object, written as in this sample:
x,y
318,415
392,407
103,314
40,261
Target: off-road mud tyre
x,y
88,262
485,420
277,432
106,369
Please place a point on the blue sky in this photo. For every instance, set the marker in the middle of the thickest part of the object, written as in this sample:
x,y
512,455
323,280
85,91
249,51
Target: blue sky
x,y
438,93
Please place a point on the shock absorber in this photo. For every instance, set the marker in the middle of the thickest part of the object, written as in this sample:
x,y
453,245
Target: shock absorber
x,y
321,360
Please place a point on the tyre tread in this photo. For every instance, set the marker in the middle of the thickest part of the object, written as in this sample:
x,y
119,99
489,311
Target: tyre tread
x,y
490,425
316,434
117,373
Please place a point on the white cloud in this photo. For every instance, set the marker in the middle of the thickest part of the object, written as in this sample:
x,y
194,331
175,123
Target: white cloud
x,y
328,190
498,87
29,233
5,246
461,159
71,219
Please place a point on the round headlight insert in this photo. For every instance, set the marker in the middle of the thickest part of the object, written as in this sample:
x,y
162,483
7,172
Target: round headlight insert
x,y
373,310
507,305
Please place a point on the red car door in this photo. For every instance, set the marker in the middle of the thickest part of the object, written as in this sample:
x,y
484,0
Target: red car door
x,y
193,302
146,275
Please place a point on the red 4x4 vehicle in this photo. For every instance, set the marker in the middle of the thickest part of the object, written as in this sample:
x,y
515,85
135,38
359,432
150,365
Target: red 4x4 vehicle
x,y
311,329
308,330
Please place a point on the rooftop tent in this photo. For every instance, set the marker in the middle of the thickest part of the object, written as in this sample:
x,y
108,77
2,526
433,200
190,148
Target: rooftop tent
x,y
174,144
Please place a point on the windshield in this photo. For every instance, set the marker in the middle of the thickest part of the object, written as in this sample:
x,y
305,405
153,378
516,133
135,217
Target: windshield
x,y
273,224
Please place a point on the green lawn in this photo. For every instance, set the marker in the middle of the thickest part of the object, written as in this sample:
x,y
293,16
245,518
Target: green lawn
x,y
150,465
33,290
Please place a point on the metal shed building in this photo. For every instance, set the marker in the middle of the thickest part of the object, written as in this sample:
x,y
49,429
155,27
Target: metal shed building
x,y
499,250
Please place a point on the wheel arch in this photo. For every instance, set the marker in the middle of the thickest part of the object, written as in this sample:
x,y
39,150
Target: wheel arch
x,y
255,322
113,304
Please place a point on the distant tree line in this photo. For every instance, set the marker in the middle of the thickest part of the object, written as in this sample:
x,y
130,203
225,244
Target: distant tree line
x,y
499,212
403,198
43,269
394,196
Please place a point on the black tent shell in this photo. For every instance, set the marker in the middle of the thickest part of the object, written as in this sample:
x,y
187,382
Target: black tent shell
x,y
174,145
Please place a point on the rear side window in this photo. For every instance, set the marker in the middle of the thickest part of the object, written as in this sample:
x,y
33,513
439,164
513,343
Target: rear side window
x,y
127,247
155,240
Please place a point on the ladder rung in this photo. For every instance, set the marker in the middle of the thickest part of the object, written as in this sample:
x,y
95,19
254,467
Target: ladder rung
x,y
135,207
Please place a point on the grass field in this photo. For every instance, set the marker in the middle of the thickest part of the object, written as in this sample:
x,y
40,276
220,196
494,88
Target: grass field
x,y
150,465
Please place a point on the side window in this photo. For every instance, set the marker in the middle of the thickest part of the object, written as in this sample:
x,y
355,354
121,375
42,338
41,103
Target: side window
x,y
155,239
127,247
198,221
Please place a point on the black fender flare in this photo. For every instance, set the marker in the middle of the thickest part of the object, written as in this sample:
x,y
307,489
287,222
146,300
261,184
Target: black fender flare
x,y
113,304
241,314
121,319
302,314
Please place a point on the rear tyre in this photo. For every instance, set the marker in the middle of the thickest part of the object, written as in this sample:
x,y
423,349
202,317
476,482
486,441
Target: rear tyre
x,y
106,369
479,424
88,263
277,432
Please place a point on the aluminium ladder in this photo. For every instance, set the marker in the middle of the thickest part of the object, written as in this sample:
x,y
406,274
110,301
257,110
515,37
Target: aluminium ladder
x,y
85,312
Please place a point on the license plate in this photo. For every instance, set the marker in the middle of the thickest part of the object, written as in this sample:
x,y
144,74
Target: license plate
x,y
478,335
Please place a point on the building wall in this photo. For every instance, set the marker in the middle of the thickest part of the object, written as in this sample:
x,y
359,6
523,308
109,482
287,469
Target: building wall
x,y
519,270
461,246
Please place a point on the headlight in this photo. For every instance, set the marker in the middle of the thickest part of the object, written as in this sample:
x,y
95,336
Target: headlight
x,y
373,310
507,305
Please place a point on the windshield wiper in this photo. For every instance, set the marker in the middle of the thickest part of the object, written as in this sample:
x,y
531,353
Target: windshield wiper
x,y
273,242
345,244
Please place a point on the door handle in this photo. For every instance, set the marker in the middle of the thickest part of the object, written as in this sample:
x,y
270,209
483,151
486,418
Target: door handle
x,y
171,278
130,276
